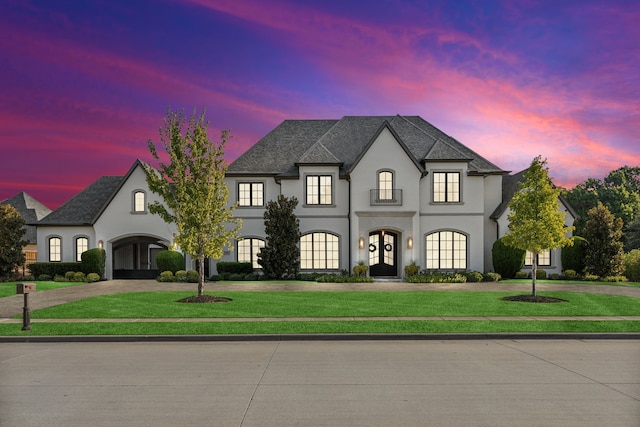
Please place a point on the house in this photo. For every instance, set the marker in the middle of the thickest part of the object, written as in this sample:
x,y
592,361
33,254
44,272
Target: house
x,y
31,211
386,190
111,213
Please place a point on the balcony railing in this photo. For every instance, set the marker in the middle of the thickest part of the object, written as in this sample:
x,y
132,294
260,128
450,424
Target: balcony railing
x,y
379,197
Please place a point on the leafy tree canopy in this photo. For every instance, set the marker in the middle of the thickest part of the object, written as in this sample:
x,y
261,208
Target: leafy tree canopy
x,y
12,232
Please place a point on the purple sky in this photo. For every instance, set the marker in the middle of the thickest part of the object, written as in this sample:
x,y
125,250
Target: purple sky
x,y
84,84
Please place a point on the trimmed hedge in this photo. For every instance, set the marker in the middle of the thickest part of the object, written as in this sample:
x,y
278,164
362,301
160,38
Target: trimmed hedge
x,y
93,261
507,261
172,261
53,269
234,267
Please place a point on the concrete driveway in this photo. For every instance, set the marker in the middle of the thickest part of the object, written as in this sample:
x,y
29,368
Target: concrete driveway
x,y
322,383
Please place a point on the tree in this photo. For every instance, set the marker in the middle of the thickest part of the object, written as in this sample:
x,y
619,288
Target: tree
x,y
604,255
280,258
11,243
193,189
535,222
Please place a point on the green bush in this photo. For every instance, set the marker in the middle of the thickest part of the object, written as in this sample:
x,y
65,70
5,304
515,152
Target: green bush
x,y
93,261
165,276
93,277
554,276
360,269
573,256
59,278
80,277
69,275
53,269
193,276
541,274
437,277
632,265
507,261
234,267
342,278
411,269
170,261
614,279
590,277
522,275
570,274
474,276
309,277
492,277
181,276
44,278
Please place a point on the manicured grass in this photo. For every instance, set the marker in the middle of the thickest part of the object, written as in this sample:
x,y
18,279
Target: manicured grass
x,y
162,304
573,282
315,327
9,288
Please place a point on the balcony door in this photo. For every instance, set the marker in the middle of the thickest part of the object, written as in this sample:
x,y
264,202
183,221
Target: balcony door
x,y
383,253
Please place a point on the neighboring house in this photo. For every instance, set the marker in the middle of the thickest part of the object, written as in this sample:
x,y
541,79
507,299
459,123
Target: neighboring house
x,y
110,213
383,190
550,261
31,212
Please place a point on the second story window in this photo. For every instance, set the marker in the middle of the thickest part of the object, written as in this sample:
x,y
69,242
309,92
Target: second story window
x,y
385,185
544,258
446,187
318,190
139,201
250,194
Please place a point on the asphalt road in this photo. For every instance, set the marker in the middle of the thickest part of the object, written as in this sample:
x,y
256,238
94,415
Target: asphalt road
x,y
322,383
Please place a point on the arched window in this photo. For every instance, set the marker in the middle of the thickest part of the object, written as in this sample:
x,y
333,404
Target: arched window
x,y
319,251
139,201
385,185
55,249
248,250
446,250
82,245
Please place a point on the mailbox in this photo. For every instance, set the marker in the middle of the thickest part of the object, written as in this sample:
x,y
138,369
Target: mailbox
x,y
25,288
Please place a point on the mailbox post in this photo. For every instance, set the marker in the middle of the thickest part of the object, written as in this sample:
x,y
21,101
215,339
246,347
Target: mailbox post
x,y
26,289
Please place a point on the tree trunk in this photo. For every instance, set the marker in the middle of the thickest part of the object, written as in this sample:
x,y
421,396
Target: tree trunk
x,y
534,274
201,275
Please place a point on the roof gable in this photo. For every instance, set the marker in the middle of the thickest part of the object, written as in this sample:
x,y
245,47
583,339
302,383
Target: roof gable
x,y
31,212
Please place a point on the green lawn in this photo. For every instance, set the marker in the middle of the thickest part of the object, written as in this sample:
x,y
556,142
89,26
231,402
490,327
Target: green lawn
x,y
162,304
573,282
9,288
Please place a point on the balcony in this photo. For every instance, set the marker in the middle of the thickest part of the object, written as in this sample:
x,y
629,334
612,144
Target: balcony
x,y
379,197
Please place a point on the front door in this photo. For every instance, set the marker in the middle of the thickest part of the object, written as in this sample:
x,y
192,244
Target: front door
x,y
383,256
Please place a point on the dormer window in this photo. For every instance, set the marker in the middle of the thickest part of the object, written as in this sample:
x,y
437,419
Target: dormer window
x,y
139,201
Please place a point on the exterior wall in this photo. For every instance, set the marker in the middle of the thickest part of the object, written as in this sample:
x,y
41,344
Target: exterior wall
x,y
68,237
492,199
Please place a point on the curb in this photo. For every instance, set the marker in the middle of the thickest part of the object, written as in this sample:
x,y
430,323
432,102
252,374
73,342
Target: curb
x,y
318,337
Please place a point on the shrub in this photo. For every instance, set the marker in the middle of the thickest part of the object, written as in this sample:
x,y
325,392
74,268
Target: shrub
x,y
236,277
360,269
570,274
193,276
234,267
44,278
614,279
541,274
507,261
492,277
632,265
59,278
590,277
411,269
342,278
522,275
426,276
554,276
474,276
181,276
69,275
573,256
53,269
93,261
80,277
165,276
309,277
93,277
170,261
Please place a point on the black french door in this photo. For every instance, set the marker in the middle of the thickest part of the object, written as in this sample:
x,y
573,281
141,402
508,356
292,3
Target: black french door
x,y
383,254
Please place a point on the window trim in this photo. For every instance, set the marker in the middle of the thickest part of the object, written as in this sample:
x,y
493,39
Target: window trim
x,y
313,252
59,252
446,187
251,185
453,250
253,257
319,188
75,240
134,204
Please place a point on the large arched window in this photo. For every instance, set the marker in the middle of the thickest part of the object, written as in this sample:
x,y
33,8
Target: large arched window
x,y
446,250
248,250
385,185
82,245
319,251
55,249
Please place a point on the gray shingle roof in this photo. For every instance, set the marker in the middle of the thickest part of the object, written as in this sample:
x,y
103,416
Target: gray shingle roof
x,y
30,210
344,141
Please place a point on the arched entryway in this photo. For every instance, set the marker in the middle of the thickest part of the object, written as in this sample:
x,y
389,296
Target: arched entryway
x,y
383,253
135,257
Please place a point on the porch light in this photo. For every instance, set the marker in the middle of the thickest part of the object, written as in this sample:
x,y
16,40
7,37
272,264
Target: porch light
x,y
361,243
100,244
409,242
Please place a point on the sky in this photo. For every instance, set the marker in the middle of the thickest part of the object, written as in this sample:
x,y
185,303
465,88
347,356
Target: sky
x,y
85,84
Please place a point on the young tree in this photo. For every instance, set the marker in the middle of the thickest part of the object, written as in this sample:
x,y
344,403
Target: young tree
x,y
193,188
280,258
535,222
11,233
604,255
